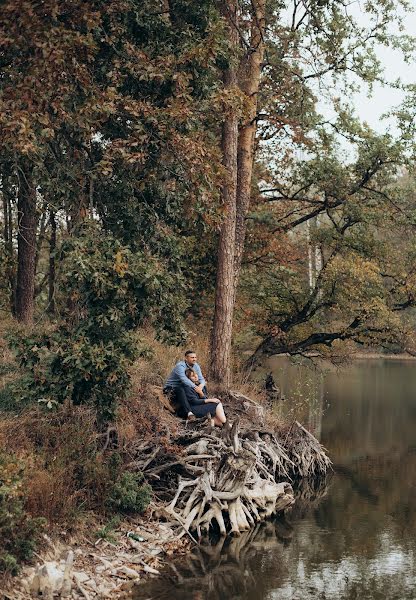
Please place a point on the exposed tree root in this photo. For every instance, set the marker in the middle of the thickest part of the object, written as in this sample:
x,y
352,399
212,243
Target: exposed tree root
x,y
308,457
229,480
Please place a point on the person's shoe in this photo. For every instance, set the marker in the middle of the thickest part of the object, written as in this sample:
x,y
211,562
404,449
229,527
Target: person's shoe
x,y
191,417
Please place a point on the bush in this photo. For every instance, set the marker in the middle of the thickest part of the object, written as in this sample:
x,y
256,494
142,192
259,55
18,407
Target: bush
x,y
18,531
109,292
129,494
106,532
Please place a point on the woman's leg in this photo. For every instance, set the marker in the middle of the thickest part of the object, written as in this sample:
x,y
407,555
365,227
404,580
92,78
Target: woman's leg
x,y
220,415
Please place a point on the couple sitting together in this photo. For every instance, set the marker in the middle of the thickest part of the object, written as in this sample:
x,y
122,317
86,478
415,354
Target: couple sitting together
x,y
186,387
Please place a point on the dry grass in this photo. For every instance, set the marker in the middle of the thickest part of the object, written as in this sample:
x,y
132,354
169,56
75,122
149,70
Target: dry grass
x,y
154,370
65,457
64,468
51,494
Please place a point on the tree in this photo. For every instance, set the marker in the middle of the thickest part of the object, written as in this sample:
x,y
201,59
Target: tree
x,y
246,25
105,112
322,39
225,282
26,239
108,291
365,280
106,120
42,74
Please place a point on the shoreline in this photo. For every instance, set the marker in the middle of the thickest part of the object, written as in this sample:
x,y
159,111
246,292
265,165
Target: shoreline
x,y
141,546
378,356
353,356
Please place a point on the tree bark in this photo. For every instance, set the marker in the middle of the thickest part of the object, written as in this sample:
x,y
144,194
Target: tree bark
x,y
238,157
220,369
26,245
249,82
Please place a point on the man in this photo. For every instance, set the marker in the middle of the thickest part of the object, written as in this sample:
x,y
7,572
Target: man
x,y
174,386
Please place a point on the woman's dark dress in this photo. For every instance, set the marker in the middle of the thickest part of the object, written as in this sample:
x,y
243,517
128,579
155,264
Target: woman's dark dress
x,y
198,406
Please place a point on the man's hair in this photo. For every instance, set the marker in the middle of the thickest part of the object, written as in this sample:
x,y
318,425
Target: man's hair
x,y
190,352
190,372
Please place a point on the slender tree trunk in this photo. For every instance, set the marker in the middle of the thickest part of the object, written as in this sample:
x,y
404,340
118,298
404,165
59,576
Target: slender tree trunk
x,y
26,245
220,369
311,271
5,214
79,208
41,236
52,249
10,267
249,81
78,211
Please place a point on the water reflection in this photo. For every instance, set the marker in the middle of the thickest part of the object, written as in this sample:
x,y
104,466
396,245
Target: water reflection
x,y
228,569
353,537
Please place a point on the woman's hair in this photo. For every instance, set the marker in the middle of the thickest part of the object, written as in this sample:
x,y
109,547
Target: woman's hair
x,y
189,372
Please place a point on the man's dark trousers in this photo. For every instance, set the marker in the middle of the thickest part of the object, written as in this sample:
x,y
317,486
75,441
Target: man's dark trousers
x,y
178,396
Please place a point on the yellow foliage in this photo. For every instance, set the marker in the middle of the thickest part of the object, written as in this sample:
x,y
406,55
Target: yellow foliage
x,y
120,264
358,280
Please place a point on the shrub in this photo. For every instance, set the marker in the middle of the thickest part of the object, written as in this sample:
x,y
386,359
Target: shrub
x,y
18,531
109,292
129,494
67,471
106,531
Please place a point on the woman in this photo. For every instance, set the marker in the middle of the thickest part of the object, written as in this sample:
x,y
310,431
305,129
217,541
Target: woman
x,y
201,405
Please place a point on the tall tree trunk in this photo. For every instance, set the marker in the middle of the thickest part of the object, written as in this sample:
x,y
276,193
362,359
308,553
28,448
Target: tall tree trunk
x,y
80,206
249,82
26,245
52,249
220,369
78,211
7,193
238,157
41,235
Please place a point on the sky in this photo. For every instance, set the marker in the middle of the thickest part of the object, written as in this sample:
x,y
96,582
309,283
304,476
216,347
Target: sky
x,y
383,98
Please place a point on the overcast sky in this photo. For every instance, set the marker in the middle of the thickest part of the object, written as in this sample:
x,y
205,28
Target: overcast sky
x,y
383,98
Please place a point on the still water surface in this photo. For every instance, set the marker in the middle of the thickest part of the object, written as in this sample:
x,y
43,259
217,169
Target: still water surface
x,y
351,538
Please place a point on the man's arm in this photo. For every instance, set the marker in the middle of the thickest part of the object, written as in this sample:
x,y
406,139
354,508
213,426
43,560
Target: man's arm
x,y
180,372
192,397
198,371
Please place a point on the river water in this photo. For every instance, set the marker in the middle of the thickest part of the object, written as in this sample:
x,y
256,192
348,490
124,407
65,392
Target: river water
x,y
352,537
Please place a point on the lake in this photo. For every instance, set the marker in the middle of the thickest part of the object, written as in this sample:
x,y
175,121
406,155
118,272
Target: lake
x,y
352,537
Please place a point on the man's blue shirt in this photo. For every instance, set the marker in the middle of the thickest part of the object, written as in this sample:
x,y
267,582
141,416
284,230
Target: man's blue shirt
x,y
178,377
